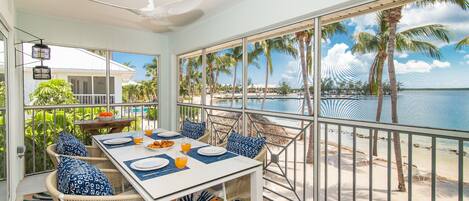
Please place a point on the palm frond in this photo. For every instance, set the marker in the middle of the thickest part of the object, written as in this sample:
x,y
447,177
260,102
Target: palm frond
x,y
463,4
463,43
365,43
331,29
426,48
427,32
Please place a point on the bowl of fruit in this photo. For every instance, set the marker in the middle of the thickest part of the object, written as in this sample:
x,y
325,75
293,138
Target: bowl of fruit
x,y
105,116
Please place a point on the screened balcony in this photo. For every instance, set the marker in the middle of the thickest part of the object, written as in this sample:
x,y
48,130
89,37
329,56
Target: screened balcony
x,y
346,113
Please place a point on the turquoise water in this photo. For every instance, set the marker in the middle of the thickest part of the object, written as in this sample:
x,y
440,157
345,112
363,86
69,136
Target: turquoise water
x,y
448,109
139,109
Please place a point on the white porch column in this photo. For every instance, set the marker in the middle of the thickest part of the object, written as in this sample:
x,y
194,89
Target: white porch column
x,y
167,93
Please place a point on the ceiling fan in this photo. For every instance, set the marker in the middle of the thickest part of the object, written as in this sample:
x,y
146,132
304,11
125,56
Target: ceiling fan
x,y
158,11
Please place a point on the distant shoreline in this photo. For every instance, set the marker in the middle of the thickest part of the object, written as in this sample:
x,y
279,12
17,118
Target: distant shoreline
x,y
434,89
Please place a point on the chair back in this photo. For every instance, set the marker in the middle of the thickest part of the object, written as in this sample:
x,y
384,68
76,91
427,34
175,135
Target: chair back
x,y
51,185
52,154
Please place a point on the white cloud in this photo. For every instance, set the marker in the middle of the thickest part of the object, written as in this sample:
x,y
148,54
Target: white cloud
x,y
340,64
402,55
363,23
453,17
466,57
440,64
292,71
418,66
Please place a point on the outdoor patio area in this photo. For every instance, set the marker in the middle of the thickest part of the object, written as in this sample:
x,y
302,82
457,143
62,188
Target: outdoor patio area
x,y
234,100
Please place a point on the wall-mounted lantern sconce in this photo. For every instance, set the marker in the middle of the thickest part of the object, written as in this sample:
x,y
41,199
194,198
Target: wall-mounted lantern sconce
x,y
41,73
40,51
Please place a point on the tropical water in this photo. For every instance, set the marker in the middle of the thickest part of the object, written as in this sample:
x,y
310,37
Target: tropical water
x,y
447,109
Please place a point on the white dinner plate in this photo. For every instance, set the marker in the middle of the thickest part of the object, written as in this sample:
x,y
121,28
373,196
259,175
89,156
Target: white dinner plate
x,y
160,130
211,151
117,141
149,164
168,134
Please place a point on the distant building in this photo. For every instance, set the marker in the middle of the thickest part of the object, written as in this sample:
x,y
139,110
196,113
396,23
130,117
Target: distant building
x,y
85,70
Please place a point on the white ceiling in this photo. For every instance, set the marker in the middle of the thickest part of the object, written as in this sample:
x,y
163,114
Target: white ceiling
x,y
87,10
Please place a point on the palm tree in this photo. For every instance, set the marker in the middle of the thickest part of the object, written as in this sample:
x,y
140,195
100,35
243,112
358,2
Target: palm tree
x,y
283,44
236,54
368,43
222,65
192,75
304,38
152,72
410,40
463,43
152,69
392,17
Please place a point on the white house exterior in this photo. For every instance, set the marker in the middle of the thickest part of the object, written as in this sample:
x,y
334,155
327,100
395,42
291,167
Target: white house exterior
x,y
85,70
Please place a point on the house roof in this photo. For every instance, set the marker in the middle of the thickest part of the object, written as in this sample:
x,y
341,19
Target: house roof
x,y
65,59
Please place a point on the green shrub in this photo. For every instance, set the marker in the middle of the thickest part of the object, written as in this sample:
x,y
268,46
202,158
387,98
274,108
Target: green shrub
x,y
152,114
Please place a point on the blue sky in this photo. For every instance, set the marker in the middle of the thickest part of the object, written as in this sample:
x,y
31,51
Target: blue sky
x,y
136,60
413,70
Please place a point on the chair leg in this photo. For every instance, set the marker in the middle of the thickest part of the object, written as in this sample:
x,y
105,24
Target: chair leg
x,y
224,191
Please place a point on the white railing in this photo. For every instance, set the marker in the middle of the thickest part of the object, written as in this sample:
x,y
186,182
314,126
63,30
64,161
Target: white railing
x,y
44,123
433,160
93,98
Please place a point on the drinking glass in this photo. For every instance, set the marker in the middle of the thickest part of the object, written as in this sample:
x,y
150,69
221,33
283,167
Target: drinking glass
x,y
180,162
138,137
185,146
148,132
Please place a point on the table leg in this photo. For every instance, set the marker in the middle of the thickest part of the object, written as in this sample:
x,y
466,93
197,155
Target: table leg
x,y
257,184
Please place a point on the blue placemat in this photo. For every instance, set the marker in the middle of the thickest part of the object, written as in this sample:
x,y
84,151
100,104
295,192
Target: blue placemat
x,y
118,145
144,175
156,137
209,159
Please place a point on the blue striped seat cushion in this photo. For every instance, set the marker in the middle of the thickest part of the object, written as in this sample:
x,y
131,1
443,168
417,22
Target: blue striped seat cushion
x,y
76,177
192,129
67,144
245,146
203,196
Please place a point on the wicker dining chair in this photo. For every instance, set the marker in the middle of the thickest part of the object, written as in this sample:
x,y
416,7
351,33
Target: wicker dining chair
x,y
204,138
239,189
95,157
115,178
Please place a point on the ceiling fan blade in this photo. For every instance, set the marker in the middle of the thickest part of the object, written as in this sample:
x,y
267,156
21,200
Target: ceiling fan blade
x,y
134,11
181,6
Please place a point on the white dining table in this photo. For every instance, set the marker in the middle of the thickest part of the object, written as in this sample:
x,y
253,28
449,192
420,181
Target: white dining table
x,y
198,177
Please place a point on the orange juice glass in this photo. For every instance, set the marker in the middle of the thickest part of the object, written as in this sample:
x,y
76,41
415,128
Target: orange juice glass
x,y
185,147
180,162
138,138
148,132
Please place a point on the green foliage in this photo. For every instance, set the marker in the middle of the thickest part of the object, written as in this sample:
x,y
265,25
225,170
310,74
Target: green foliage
x,y
145,90
53,92
284,88
152,114
3,91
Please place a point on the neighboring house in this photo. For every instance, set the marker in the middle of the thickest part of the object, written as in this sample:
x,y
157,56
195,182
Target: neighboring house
x,y
86,71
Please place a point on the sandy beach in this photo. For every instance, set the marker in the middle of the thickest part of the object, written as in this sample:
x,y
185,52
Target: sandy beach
x,y
446,187
300,174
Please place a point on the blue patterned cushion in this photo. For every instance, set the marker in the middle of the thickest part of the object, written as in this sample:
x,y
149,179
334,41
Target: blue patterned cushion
x,y
204,196
192,129
77,177
245,146
67,144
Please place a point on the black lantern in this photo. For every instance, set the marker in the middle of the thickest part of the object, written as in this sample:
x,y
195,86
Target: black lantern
x,y
41,73
41,51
